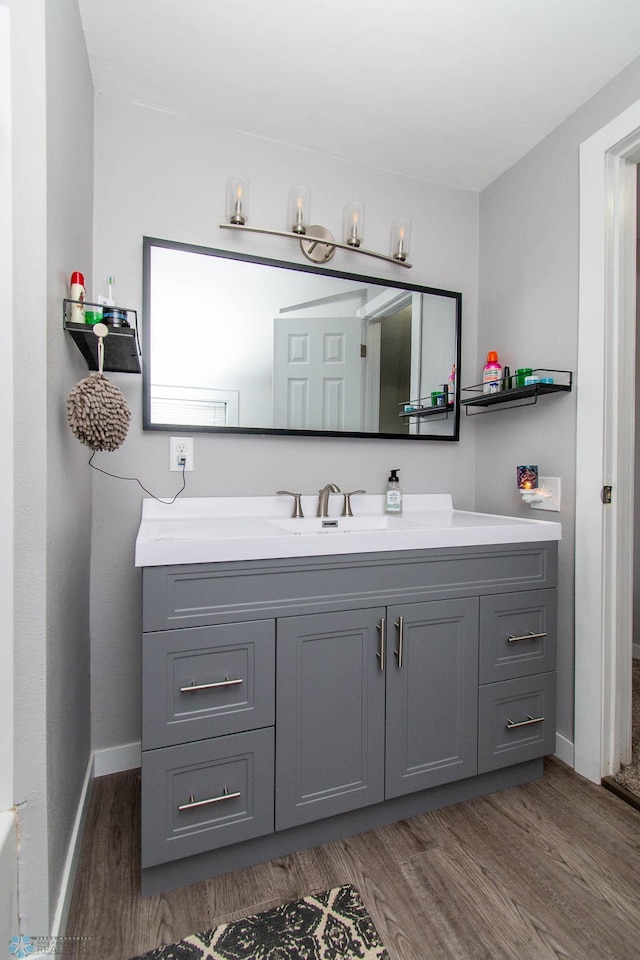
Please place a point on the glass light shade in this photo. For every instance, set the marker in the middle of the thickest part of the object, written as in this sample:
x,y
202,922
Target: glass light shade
x,y
527,476
237,200
298,209
400,238
353,223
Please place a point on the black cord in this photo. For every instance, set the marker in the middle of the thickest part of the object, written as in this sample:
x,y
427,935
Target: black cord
x,y
135,479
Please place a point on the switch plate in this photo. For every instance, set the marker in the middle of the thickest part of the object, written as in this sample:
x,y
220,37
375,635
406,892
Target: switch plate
x,y
550,487
180,447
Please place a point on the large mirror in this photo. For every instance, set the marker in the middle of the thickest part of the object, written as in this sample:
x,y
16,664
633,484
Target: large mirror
x,y
241,344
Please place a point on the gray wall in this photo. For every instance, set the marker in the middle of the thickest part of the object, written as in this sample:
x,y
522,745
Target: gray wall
x,y
528,311
52,113
164,176
69,247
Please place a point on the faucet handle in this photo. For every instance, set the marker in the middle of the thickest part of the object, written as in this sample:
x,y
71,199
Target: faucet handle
x,y
346,506
297,504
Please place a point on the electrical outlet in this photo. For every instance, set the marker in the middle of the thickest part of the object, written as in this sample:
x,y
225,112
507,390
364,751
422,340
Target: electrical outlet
x,y
180,447
550,488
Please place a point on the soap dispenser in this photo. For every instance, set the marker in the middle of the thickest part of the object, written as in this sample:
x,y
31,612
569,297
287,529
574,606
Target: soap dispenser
x,y
393,497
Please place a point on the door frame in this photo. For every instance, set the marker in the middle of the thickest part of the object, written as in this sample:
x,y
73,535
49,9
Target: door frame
x,y
605,446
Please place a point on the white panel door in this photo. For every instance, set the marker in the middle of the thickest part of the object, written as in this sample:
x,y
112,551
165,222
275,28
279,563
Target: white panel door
x,y
317,373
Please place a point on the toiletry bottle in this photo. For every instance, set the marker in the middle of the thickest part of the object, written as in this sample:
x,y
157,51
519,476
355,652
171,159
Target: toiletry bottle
x,y
452,385
393,497
77,292
492,374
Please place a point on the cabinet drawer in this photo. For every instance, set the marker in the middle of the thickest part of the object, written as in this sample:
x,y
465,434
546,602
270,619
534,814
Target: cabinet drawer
x,y
205,795
207,681
517,635
516,721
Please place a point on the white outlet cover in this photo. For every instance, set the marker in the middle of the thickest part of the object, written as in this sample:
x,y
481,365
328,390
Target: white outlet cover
x,y
178,445
550,486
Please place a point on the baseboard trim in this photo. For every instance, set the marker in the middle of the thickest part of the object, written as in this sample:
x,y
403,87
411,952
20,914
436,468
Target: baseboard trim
x,y
636,651
565,750
117,759
73,855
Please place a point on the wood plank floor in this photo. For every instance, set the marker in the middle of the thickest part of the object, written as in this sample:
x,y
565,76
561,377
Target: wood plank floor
x,y
548,870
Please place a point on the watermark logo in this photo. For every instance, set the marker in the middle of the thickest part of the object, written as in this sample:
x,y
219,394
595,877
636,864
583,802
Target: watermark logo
x,y
33,947
21,947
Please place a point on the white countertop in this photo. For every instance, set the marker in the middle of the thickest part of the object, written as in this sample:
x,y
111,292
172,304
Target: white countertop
x,y
212,529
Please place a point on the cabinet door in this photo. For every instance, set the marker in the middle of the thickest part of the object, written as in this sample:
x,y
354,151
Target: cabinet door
x,y
432,694
329,715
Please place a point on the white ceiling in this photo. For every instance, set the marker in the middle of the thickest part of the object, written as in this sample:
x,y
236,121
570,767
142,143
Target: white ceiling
x,y
450,91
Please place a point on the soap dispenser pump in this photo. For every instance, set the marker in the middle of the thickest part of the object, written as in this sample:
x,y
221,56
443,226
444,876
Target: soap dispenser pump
x,y
393,498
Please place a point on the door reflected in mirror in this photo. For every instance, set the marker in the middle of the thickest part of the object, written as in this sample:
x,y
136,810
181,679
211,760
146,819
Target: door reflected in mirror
x,y
242,344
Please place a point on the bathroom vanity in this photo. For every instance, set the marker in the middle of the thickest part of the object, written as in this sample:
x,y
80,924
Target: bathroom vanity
x,y
307,683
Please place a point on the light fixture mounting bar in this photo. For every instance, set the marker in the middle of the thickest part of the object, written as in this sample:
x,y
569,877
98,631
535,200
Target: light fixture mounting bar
x,y
309,238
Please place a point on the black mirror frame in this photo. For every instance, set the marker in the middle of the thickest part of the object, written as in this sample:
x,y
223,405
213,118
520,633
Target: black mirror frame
x,y
150,242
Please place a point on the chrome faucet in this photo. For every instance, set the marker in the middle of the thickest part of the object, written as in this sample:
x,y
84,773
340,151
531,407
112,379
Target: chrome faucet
x,y
323,499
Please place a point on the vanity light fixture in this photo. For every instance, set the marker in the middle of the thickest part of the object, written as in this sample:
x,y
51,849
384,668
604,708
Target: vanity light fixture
x,y
316,242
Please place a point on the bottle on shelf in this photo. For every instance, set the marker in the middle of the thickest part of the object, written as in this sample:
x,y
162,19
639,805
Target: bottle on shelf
x,y
492,373
77,293
451,385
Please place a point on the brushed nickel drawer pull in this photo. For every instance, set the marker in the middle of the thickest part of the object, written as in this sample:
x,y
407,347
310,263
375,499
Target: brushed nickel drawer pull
x,y
209,686
524,723
193,803
398,652
528,636
382,627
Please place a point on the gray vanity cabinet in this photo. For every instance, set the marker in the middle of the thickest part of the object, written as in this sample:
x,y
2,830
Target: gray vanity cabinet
x,y
290,702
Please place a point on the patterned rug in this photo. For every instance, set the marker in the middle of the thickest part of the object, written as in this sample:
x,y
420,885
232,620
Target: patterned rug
x,y
333,925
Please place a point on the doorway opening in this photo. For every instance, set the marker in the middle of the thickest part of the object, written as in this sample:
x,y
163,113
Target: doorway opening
x,y
605,446
626,782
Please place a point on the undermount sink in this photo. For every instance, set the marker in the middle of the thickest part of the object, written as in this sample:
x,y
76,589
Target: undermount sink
x,y
305,525
212,529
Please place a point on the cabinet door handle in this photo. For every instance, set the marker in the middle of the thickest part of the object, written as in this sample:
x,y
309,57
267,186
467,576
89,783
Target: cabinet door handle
x,y
398,652
209,686
193,803
382,627
527,636
524,723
